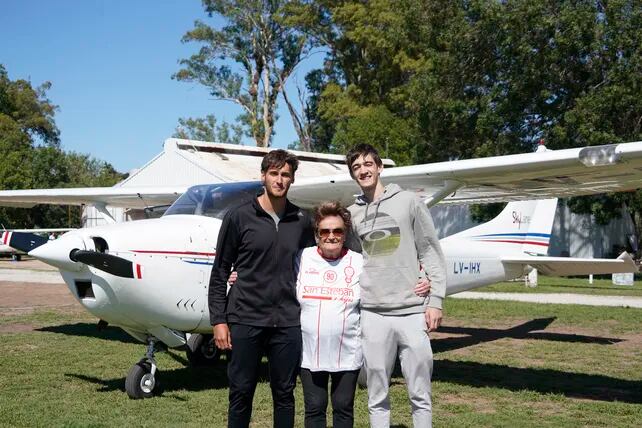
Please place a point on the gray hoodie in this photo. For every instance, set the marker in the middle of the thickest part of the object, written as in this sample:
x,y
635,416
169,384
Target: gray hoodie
x,y
397,234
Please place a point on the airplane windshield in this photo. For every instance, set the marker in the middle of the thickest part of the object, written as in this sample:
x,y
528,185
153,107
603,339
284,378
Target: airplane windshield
x,y
213,200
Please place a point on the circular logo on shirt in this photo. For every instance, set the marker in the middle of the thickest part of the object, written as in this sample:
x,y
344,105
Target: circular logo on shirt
x,y
329,276
379,234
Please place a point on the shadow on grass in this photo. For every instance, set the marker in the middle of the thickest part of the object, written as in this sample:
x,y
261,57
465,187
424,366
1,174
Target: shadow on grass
x,y
91,330
528,330
576,385
182,379
543,381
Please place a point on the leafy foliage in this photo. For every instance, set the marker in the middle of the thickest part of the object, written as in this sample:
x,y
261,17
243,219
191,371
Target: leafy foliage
x,y
247,61
478,78
30,156
206,129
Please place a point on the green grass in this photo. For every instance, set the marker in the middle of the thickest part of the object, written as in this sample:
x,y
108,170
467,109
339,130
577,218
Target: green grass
x,y
496,364
568,285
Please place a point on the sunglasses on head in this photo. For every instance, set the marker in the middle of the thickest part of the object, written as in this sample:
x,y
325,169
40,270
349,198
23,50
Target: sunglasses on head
x,y
324,233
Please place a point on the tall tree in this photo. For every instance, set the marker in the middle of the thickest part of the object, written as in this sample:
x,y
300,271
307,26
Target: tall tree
x,y
264,52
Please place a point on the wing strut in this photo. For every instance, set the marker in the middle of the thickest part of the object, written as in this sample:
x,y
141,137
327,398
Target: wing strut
x,y
450,187
102,209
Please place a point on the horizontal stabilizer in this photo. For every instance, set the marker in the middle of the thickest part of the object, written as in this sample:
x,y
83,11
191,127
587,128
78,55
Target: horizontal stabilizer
x,y
22,241
567,266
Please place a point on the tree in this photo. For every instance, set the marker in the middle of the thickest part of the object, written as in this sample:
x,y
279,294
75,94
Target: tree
x,y
206,129
31,157
264,51
480,78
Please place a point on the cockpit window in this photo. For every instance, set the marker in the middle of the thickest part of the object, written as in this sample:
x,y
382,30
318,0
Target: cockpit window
x,y
213,200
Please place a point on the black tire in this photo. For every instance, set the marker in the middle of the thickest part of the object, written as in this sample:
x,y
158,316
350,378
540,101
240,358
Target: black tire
x,y
16,257
139,382
201,350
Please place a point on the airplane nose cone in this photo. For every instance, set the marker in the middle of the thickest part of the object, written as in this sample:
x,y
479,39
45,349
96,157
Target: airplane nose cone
x,y
56,252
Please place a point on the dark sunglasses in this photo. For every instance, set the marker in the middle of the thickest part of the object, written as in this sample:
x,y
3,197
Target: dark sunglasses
x,y
324,233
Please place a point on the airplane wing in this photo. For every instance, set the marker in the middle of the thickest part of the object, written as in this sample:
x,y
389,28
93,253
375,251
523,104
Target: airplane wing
x,y
539,175
567,266
545,174
128,197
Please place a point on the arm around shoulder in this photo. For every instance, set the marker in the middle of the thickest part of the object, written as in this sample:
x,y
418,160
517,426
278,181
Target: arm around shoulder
x,y
226,253
430,254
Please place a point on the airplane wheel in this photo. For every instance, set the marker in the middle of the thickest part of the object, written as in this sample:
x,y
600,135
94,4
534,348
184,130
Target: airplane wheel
x,y
201,350
16,257
140,382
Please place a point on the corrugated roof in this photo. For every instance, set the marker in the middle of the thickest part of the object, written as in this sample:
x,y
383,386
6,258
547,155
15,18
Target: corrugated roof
x,y
193,162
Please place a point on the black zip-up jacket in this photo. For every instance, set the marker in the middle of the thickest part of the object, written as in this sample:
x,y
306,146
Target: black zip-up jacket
x,y
264,295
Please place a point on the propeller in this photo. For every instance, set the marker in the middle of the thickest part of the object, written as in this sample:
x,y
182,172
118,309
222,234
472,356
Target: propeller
x,y
23,241
106,262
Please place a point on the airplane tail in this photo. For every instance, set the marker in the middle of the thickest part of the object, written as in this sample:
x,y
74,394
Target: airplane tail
x,y
523,227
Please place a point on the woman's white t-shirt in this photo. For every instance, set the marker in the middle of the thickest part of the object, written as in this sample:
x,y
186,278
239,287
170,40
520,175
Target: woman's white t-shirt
x,y
328,291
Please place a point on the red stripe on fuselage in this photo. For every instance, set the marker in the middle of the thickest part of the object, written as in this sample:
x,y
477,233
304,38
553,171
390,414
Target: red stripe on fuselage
x,y
179,253
515,242
139,273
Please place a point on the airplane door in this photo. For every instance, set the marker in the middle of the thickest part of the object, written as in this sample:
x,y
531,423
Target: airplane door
x,y
200,251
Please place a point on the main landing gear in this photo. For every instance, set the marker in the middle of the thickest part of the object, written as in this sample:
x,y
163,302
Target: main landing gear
x,y
201,350
141,379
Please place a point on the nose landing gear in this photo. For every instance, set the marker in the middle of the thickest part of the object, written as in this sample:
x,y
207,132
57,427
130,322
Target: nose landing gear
x,y
141,379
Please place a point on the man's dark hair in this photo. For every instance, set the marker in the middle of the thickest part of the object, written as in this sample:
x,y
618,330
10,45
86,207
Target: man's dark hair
x,y
331,208
278,158
362,150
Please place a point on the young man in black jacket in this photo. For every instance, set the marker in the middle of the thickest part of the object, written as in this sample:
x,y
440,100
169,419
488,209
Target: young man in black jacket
x,y
261,314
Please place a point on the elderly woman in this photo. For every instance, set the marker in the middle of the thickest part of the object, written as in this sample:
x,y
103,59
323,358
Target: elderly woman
x,y
328,292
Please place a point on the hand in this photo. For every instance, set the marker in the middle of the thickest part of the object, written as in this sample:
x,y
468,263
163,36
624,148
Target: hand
x,y
233,277
423,287
433,319
222,337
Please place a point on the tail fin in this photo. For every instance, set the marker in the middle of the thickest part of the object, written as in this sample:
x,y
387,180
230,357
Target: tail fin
x,y
525,224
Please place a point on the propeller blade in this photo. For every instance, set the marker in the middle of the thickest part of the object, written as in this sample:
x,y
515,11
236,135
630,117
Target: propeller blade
x,y
23,241
106,262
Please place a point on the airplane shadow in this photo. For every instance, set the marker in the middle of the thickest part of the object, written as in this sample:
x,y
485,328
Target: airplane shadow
x,y
576,385
544,381
182,379
91,330
528,330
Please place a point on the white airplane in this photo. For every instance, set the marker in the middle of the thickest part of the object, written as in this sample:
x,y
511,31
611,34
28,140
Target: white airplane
x,y
151,277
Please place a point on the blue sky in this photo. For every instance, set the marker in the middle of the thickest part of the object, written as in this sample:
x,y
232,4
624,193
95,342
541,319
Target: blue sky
x,y
110,65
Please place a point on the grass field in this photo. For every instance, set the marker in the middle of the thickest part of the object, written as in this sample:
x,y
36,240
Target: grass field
x,y
548,284
496,364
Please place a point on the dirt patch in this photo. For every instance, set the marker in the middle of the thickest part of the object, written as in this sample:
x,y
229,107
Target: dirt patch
x,y
478,403
25,263
17,328
27,296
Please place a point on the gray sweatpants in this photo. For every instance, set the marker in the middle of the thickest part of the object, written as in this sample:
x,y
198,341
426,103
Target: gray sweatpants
x,y
382,337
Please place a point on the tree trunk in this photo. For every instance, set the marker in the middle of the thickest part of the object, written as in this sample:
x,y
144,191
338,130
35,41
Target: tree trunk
x,y
302,130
